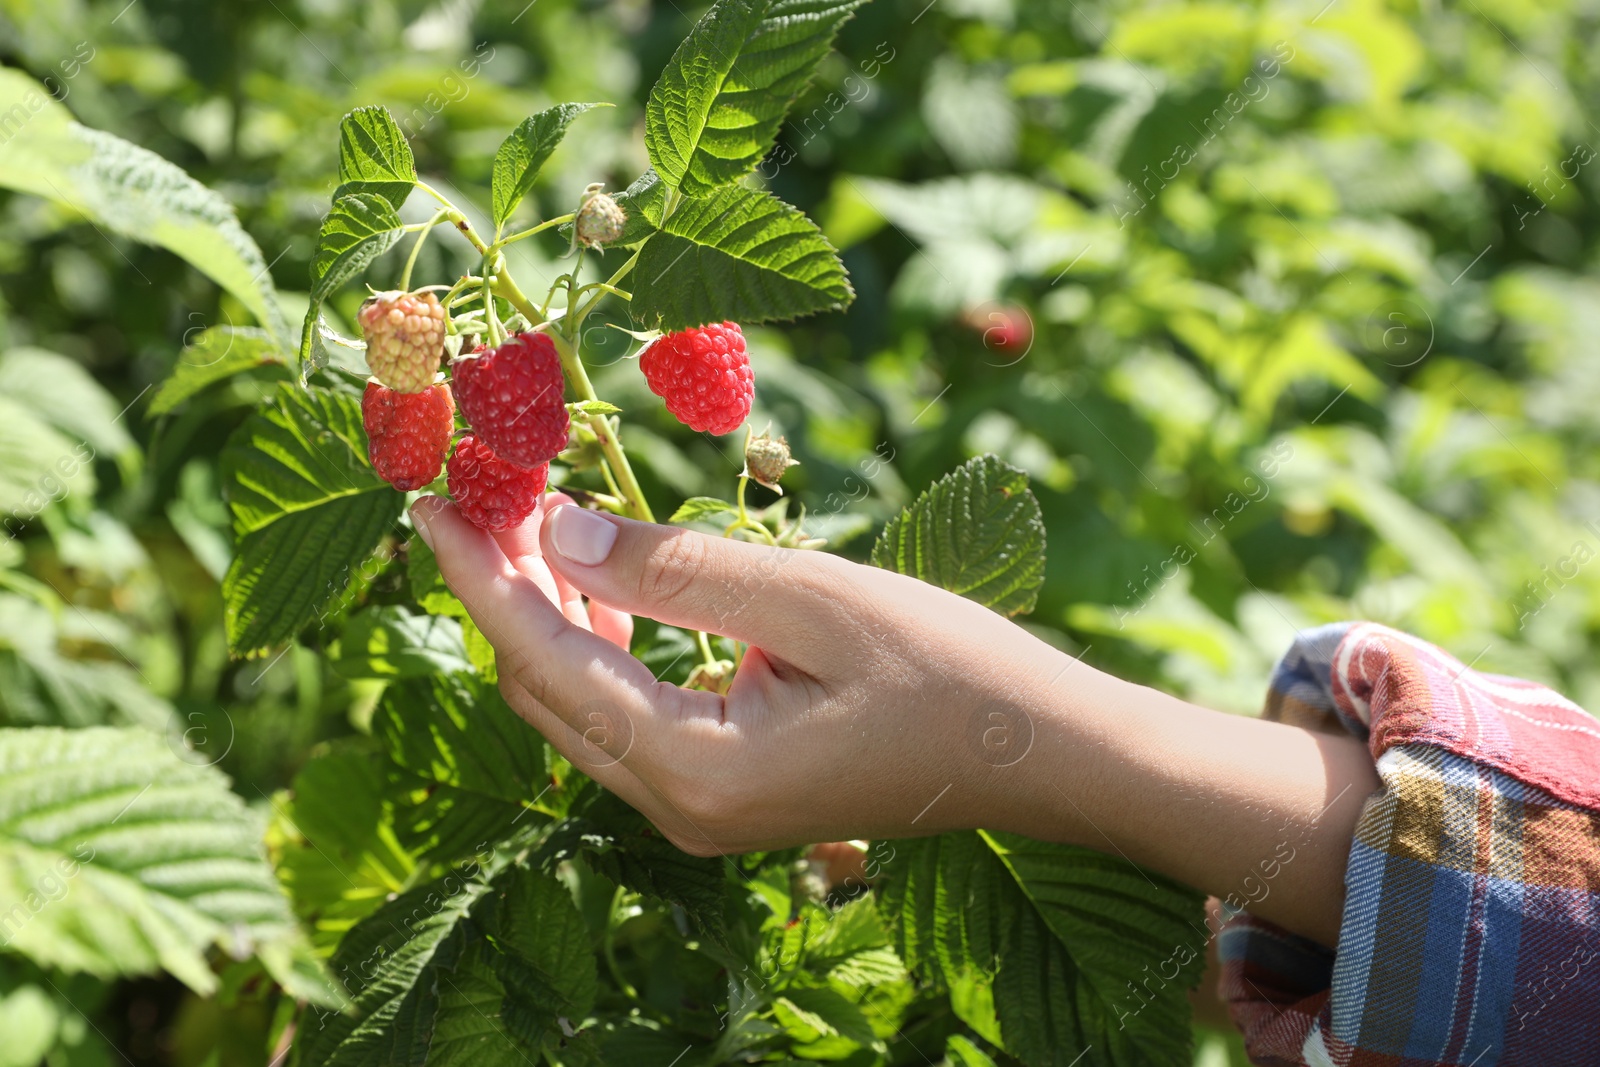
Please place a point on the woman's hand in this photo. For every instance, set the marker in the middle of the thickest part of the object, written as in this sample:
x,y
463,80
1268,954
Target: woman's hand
x,y
871,705
865,696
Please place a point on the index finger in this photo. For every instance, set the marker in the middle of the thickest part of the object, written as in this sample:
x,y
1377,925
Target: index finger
x,y
566,668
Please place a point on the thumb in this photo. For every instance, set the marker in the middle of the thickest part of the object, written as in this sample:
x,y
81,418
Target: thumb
x,y
762,595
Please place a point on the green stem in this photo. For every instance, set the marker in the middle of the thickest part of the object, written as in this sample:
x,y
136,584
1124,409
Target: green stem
x,y
463,283
744,480
422,235
613,504
455,217
604,287
563,220
491,320
705,648
610,952
611,481
744,521
611,283
627,484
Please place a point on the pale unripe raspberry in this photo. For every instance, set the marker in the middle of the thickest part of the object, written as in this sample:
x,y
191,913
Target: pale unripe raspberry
x,y
405,339
600,219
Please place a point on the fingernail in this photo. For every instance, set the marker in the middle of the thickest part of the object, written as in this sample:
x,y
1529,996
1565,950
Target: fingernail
x,y
581,536
421,511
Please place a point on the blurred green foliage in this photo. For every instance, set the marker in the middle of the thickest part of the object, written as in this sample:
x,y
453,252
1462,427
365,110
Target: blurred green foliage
x,y
1285,308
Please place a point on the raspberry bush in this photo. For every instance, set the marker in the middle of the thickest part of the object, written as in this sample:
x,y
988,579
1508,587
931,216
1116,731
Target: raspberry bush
x,y
1275,345
464,894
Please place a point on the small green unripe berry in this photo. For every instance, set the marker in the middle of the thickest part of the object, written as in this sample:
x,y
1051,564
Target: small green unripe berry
x,y
600,219
766,458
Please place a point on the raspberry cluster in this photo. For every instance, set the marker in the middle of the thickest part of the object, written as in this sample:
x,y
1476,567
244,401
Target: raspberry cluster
x,y
513,398
703,375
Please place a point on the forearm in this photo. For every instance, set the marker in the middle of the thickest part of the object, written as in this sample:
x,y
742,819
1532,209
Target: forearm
x,y
1255,811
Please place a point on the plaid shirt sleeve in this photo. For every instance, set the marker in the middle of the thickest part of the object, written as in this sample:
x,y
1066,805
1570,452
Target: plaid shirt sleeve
x,y
1471,927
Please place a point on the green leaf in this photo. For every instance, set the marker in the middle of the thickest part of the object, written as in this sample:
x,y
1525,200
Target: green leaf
x,y
218,353
457,730
396,965
977,531
427,584
469,772
389,642
64,394
521,155
458,971
307,511
739,254
592,407
716,109
697,508
479,650
336,848
117,857
622,845
823,1019
643,203
467,1031
1063,931
374,157
131,191
544,960
961,1052
359,228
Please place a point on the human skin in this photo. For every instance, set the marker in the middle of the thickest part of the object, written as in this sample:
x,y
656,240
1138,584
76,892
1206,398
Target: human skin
x,y
872,705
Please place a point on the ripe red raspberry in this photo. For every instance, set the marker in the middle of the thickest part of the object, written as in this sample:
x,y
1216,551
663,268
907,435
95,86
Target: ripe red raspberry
x,y
405,338
491,493
1007,329
512,397
704,376
407,433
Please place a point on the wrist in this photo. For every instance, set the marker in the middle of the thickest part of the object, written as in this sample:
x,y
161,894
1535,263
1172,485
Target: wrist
x,y
1213,800
1029,746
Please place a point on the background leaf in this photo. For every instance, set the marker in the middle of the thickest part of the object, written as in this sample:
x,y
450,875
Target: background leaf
x,y
716,109
218,353
117,857
132,191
